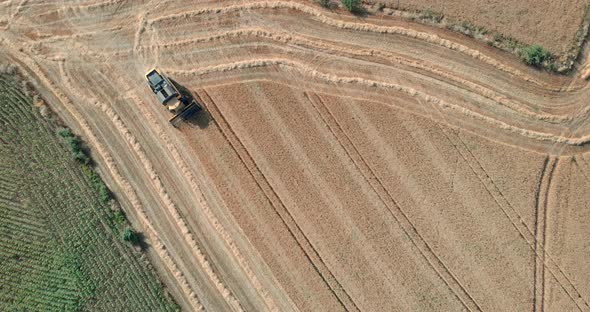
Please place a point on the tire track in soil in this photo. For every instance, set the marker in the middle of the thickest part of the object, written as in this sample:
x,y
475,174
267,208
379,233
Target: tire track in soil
x,y
31,69
541,203
81,8
141,23
275,201
18,10
536,269
387,199
516,220
582,166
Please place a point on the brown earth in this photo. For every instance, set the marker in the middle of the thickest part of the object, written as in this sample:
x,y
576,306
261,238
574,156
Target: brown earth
x,y
552,24
339,163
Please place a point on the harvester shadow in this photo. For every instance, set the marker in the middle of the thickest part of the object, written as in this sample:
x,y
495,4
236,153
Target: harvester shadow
x,y
197,116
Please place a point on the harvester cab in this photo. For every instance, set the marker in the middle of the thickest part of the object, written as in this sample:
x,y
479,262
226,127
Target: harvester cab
x,y
169,96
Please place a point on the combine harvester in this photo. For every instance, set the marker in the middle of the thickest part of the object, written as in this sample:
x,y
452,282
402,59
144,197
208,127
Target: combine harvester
x,y
168,95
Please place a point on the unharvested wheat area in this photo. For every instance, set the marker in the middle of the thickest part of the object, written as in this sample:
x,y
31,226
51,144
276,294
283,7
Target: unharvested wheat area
x,y
337,161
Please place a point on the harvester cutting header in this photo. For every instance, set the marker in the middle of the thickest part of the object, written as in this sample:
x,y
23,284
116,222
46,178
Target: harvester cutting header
x,y
168,95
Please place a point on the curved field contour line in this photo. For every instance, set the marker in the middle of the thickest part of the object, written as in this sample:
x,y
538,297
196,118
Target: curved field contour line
x,y
302,68
303,41
430,38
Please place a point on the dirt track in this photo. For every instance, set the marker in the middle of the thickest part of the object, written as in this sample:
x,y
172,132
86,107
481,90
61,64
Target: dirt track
x,y
341,164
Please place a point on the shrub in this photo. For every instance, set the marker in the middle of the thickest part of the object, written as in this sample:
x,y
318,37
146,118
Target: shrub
x,y
97,184
103,193
101,188
81,157
64,132
119,217
325,3
535,55
75,144
351,5
431,16
129,235
498,37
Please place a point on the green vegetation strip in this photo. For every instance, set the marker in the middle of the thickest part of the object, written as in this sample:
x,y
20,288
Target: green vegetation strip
x,y
64,244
